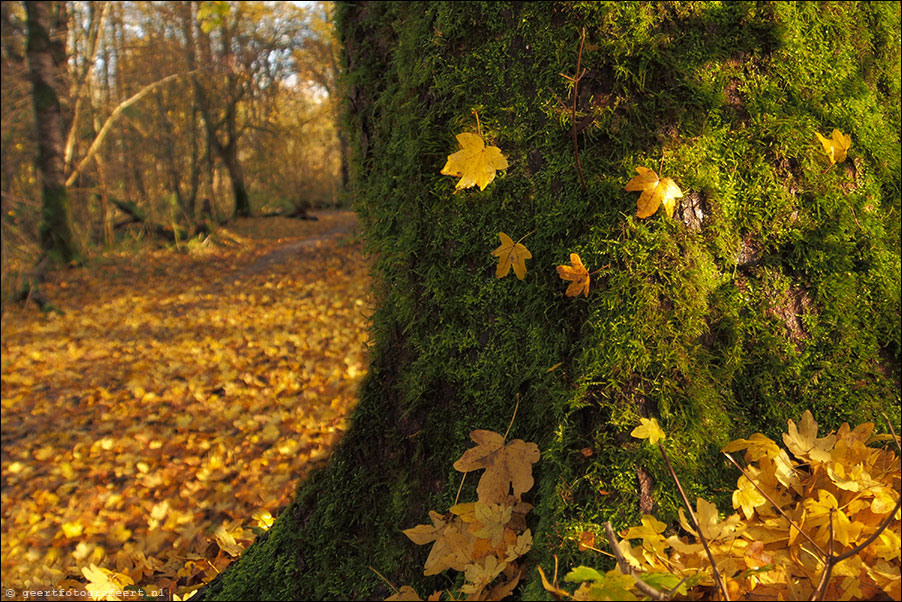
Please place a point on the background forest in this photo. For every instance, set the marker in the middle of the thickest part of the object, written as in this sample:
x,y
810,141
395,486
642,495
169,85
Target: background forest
x,y
173,113
181,343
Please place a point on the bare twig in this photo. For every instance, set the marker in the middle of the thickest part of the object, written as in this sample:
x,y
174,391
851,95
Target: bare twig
x,y
515,414
573,126
381,576
821,589
893,431
626,569
717,577
457,497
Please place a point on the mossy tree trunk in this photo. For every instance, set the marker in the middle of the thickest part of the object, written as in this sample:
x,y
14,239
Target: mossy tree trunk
x,y
45,64
774,289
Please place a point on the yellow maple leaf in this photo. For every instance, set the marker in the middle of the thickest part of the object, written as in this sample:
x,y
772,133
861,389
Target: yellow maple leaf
x,y
835,147
486,521
452,548
758,446
655,192
803,441
649,429
103,584
747,497
225,538
506,466
475,163
653,543
709,522
576,272
825,513
509,254
479,575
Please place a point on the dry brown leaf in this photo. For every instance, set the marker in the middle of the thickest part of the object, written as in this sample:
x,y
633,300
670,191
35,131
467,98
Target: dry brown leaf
x,y
507,466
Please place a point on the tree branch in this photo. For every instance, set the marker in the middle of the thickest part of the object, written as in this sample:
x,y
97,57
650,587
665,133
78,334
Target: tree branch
x,y
117,112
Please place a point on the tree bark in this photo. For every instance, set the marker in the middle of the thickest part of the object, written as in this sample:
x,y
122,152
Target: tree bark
x,y
773,289
55,233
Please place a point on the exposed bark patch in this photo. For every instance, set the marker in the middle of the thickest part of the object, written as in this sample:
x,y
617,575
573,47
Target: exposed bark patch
x,y
693,210
646,488
749,251
790,308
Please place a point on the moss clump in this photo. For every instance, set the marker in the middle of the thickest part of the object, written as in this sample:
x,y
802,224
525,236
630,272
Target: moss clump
x,y
777,289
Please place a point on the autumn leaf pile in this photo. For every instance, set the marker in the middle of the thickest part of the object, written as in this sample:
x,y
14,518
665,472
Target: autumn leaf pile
x,y
483,539
156,426
819,519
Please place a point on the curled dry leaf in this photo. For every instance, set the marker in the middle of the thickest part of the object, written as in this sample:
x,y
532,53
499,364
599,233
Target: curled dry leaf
x,y
576,272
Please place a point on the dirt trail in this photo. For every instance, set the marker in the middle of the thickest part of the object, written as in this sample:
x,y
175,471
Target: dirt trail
x,y
340,224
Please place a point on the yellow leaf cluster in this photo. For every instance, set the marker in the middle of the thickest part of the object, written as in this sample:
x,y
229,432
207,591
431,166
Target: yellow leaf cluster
x,y
483,539
830,500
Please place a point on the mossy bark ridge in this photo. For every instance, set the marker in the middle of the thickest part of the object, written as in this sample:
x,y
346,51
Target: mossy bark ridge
x,y
774,289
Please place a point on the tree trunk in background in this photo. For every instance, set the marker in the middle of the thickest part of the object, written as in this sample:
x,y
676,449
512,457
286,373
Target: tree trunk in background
x,y
775,288
45,63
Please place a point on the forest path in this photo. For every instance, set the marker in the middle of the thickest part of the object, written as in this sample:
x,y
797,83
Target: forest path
x,y
158,423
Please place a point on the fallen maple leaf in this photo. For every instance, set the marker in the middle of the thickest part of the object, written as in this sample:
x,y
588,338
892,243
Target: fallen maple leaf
x,y
837,147
475,163
655,191
452,548
576,272
509,254
709,522
103,584
649,429
803,441
506,466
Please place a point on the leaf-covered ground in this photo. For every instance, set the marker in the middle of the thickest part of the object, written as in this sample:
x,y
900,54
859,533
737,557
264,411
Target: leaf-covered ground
x,y
156,425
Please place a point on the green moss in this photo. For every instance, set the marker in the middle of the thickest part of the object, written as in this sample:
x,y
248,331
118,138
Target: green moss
x,y
784,297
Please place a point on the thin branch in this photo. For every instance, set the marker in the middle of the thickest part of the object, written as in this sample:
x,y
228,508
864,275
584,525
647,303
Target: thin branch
x,y
573,129
893,431
117,112
381,576
85,80
515,414
459,488
821,588
717,578
626,569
